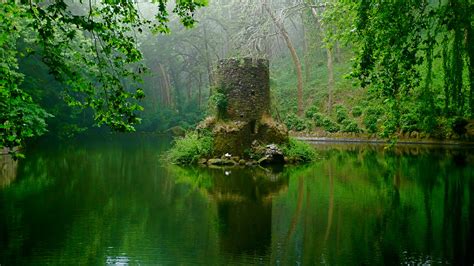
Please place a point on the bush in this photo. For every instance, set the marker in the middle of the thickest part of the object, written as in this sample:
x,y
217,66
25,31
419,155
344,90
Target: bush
x,y
341,113
318,119
409,122
217,102
329,125
311,112
371,118
357,111
293,122
189,149
350,125
299,151
459,125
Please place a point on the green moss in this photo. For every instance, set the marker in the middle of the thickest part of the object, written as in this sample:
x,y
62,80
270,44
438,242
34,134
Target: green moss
x,y
299,151
189,149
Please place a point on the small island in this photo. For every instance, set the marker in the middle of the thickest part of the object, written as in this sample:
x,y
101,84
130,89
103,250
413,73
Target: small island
x,y
241,130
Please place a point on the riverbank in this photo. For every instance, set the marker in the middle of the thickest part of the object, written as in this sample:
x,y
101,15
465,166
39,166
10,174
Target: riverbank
x,y
372,138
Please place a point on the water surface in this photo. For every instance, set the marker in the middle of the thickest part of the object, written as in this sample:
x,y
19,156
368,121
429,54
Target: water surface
x,y
111,201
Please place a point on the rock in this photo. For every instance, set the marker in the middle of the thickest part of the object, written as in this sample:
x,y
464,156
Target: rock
x,y
242,162
263,160
207,123
273,155
214,161
250,163
202,161
220,162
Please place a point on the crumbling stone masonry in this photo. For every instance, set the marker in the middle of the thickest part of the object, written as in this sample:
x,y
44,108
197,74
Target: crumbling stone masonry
x,y
246,118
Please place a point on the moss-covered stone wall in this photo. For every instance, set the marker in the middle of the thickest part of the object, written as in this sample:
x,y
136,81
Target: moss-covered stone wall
x,y
245,83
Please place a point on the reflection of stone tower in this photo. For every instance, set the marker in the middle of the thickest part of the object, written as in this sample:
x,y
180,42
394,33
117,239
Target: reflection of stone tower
x,y
246,116
244,205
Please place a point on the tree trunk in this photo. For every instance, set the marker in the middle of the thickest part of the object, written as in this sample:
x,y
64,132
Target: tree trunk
x,y
307,65
330,78
208,59
166,86
199,91
294,55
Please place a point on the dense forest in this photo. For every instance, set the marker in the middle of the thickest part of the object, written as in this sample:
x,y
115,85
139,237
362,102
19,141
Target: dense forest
x,y
388,69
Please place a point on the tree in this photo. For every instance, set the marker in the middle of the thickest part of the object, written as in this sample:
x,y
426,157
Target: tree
x,y
294,56
90,47
398,44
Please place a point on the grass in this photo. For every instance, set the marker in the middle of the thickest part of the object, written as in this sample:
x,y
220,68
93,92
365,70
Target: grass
x,y
189,149
299,151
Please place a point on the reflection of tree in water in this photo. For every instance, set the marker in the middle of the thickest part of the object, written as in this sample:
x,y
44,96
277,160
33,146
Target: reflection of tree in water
x,y
366,206
8,168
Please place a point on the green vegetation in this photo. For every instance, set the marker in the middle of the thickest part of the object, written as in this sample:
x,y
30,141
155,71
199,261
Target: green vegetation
x,y
370,67
190,148
195,145
217,103
89,57
299,151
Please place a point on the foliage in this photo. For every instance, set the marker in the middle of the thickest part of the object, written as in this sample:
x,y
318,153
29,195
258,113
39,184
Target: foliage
x,y
189,149
350,125
409,122
371,118
91,49
398,47
341,113
318,119
21,118
218,103
357,111
299,151
311,112
329,125
296,123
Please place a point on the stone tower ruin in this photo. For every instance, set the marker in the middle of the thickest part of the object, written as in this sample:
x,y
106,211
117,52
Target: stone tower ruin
x,y
245,120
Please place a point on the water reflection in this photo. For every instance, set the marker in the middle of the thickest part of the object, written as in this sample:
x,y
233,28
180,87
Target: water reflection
x,y
112,201
244,208
8,168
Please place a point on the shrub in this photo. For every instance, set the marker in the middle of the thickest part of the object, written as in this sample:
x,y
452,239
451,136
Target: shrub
x,y
189,149
311,112
217,102
357,111
299,151
459,125
350,125
341,113
318,119
409,122
371,118
293,122
329,125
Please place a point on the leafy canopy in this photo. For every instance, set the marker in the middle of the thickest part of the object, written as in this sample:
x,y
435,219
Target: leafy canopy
x,y
90,47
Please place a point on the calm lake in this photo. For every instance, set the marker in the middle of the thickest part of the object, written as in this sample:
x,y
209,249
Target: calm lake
x,y
111,201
